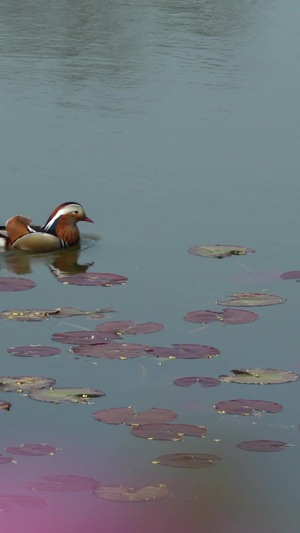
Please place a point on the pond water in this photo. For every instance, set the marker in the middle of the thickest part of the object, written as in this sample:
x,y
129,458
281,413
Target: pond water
x,y
174,124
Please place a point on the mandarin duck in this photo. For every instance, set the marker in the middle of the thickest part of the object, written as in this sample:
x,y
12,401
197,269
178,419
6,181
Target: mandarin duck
x,y
60,230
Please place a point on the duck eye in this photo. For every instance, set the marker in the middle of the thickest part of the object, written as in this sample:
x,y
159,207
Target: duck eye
x,y
75,212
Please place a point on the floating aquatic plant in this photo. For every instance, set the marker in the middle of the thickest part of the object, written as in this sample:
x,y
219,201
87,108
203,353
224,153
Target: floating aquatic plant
x,y
259,376
128,415
165,431
202,381
70,394
220,250
131,494
227,316
33,351
15,284
254,299
247,407
188,460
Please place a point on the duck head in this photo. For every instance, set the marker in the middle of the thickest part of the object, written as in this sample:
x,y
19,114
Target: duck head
x,y
63,222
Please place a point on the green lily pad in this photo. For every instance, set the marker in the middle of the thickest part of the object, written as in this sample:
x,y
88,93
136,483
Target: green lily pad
x,y
24,383
131,494
252,300
220,250
259,376
187,460
70,394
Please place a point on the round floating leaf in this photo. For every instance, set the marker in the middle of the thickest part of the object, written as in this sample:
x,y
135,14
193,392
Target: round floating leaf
x,y
4,460
203,382
8,502
227,316
24,383
93,278
173,432
128,327
15,284
112,350
5,405
220,250
83,337
259,376
252,300
188,460
128,415
186,351
31,449
247,407
27,315
131,494
65,312
33,351
262,445
293,274
70,394
64,483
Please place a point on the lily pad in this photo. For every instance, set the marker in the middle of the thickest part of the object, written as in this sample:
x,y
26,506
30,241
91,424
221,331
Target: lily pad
x,y
70,394
4,460
259,376
227,316
36,315
112,350
24,383
186,351
65,312
5,405
173,432
220,250
247,407
31,449
203,382
128,327
128,415
83,337
262,445
34,351
252,300
8,502
15,284
188,460
64,483
93,278
131,494
293,274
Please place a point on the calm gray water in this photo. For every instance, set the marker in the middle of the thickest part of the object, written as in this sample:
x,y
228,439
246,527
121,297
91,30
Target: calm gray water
x,y
174,124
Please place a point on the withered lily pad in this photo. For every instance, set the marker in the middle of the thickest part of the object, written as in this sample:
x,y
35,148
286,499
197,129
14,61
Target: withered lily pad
x,y
64,483
227,316
259,376
93,278
220,250
31,449
173,432
5,405
34,351
8,502
128,327
202,381
4,460
188,460
35,315
186,351
293,274
262,445
70,394
15,284
128,415
83,337
252,300
112,350
131,494
24,383
247,407
65,312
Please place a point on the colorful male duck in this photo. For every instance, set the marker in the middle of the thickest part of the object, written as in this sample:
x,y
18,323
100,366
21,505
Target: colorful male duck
x,y
60,230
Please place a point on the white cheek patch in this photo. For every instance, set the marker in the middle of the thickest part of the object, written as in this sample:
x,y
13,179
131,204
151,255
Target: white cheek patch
x,y
63,211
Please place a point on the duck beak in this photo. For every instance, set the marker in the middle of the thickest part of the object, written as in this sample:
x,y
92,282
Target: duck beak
x,y
87,219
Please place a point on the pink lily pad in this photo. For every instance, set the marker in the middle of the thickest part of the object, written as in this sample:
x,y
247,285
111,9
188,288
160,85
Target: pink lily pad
x,y
293,274
24,383
5,405
186,351
112,350
33,351
262,445
31,449
15,284
64,483
93,278
131,494
70,394
128,327
220,250
247,407
9,502
128,415
253,299
227,316
4,460
188,460
259,376
203,382
165,431
83,337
